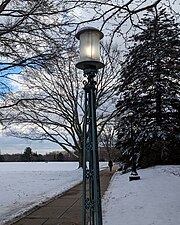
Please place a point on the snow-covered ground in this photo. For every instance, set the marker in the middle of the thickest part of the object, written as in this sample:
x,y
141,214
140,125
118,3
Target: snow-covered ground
x,y
24,185
153,200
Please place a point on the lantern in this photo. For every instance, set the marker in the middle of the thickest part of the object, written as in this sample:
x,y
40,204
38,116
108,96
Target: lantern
x,y
89,48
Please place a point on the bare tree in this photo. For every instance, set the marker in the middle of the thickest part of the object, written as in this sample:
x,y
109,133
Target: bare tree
x,y
107,141
29,30
29,36
32,32
117,18
52,103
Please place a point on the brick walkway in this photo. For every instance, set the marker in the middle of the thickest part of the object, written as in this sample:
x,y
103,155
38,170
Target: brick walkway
x,y
64,209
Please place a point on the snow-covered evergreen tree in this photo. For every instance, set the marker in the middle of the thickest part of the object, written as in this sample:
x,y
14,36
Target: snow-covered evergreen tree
x,y
150,87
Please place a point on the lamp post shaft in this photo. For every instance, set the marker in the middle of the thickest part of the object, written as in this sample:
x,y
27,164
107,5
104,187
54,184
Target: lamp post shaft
x,y
91,181
90,62
134,175
134,171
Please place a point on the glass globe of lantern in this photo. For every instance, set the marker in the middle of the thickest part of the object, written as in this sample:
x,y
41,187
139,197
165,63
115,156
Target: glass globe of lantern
x,y
89,48
130,114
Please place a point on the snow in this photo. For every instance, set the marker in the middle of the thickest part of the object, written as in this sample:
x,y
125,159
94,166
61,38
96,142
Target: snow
x,y
153,200
24,185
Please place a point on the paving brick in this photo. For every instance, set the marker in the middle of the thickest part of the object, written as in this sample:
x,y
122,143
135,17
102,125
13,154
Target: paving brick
x,y
31,221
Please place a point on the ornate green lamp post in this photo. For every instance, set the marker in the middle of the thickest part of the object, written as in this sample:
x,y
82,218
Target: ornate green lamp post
x,y
134,175
89,62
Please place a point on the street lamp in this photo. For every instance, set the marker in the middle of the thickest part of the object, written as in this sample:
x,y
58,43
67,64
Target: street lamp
x,y
134,175
90,62
89,48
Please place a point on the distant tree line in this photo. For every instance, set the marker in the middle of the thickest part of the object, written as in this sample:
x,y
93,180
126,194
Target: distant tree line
x,y
55,156
30,156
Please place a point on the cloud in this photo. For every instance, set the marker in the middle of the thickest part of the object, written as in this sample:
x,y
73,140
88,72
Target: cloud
x,y
14,145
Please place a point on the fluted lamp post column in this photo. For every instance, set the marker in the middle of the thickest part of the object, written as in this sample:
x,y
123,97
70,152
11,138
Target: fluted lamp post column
x,y
134,175
90,63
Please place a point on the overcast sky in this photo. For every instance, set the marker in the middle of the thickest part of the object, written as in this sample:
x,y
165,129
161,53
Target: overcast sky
x,y
16,145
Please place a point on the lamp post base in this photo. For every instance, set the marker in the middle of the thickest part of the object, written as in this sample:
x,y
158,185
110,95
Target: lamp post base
x,y
134,177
